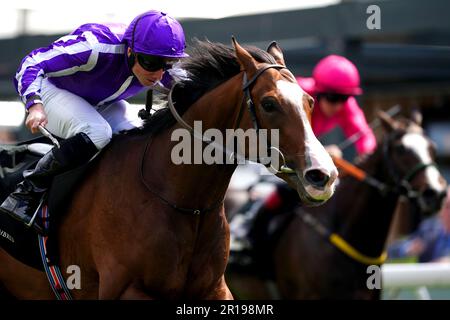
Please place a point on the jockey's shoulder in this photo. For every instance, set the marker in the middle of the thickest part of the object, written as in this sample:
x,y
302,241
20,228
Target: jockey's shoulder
x,y
351,104
109,33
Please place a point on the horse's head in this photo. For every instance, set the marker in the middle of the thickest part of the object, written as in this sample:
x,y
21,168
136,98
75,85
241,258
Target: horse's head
x,y
409,156
280,103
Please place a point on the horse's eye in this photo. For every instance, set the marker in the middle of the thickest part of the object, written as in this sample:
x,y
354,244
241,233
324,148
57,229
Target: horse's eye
x,y
311,102
400,148
269,105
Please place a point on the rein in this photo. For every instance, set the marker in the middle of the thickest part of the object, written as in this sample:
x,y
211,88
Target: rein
x,y
403,186
337,241
194,211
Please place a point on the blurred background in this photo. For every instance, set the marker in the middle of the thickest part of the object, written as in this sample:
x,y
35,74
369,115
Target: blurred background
x,y
406,62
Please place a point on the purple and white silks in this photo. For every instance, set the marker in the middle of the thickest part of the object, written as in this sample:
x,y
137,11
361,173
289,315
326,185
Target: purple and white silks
x,y
90,62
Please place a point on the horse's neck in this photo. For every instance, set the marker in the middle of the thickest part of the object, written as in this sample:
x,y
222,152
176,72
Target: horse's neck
x,y
196,185
362,215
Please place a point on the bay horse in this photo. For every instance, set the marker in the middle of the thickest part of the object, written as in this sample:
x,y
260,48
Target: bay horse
x,y
324,252
140,226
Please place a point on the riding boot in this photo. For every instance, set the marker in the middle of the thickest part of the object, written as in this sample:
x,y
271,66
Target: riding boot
x,y
23,203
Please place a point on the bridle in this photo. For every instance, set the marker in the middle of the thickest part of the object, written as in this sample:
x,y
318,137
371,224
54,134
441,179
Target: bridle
x,y
402,186
247,101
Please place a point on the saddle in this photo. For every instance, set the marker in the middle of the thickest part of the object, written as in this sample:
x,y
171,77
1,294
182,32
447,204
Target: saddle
x,y
15,238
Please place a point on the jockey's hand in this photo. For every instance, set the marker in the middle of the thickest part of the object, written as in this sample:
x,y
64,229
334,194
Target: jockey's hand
x,y
334,150
36,117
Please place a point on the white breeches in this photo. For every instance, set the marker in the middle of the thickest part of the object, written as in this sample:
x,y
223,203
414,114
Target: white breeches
x,y
69,114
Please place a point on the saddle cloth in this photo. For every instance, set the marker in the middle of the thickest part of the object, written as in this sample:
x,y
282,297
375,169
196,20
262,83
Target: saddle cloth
x,y
15,238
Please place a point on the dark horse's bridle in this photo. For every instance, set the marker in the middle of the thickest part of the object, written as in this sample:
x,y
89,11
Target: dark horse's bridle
x,y
402,186
247,101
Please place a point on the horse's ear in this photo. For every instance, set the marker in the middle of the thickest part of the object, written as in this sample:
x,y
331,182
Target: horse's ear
x,y
275,51
388,123
416,116
244,58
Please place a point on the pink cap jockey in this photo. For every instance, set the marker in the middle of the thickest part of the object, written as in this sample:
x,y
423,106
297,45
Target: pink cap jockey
x,y
339,76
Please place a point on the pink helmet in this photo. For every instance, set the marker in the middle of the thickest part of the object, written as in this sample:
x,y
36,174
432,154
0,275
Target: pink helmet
x,y
336,74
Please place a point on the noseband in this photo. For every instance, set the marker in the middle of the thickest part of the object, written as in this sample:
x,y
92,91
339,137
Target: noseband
x,y
247,101
403,183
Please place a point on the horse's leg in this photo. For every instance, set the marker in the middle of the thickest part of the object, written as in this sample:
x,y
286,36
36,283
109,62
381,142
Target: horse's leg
x,y
115,283
246,286
134,293
22,281
111,286
220,292
5,295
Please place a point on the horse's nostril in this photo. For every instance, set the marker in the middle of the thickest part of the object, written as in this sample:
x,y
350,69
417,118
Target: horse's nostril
x,y
317,178
430,194
442,196
432,200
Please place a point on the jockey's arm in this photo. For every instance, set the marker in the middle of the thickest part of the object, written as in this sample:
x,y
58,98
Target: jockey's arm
x,y
356,122
66,56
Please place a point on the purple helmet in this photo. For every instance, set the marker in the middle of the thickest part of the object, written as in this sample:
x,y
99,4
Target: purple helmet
x,y
156,33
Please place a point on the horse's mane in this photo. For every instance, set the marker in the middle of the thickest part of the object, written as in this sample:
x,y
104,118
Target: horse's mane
x,y
209,64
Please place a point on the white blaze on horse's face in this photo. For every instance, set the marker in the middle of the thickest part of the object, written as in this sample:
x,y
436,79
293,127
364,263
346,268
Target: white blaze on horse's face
x,y
420,146
316,157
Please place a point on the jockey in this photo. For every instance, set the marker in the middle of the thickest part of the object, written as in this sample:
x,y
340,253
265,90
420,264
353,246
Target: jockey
x,y
334,84
76,88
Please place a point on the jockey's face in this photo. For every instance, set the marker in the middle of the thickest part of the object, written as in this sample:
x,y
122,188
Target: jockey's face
x,y
330,104
146,78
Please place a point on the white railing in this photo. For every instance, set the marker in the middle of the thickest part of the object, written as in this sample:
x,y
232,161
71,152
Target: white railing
x,y
12,113
415,276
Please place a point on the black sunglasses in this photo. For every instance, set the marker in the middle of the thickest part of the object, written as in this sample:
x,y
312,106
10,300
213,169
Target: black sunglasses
x,y
334,97
154,63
